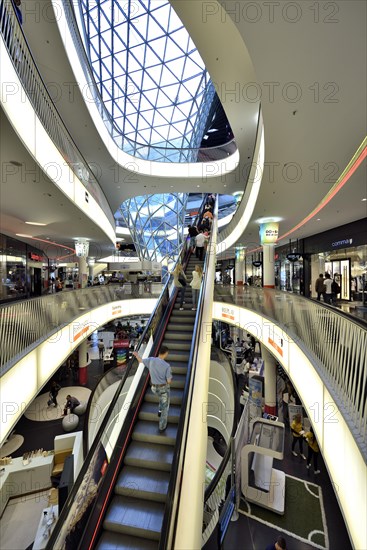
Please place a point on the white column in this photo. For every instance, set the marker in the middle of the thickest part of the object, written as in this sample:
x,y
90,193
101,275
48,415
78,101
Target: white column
x,y
83,350
83,272
268,266
269,231
270,378
239,267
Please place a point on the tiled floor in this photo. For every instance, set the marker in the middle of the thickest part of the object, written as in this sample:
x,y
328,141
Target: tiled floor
x,y
26,510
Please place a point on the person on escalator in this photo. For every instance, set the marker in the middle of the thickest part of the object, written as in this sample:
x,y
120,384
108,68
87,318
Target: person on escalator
x,y
161,378
180,282
197,276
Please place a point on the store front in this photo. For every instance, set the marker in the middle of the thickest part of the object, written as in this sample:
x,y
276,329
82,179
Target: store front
x,y
341,252
23,270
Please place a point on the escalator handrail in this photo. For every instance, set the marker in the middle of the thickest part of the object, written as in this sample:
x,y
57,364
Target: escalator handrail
x,y
126,373
98,437
124,434
95,519
185,407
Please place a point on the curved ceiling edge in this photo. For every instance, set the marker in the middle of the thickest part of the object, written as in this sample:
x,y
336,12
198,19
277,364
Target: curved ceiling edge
x,y
210,169
232,233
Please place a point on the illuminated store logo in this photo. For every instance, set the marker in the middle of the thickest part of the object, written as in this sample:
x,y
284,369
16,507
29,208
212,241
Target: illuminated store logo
x,y
35,257
343,242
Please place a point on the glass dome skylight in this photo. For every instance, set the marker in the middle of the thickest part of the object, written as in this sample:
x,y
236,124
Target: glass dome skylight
x,y
150,76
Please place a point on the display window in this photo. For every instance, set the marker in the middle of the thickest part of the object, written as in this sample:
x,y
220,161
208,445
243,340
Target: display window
x,y
347,267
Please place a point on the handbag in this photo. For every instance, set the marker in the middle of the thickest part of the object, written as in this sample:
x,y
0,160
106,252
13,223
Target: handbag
x,y
182,280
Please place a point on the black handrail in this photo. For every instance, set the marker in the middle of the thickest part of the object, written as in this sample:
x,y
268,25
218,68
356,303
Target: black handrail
x,y
105,493
73,492
127,371
95,516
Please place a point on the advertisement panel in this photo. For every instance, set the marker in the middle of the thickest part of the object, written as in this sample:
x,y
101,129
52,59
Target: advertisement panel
x,y
269,232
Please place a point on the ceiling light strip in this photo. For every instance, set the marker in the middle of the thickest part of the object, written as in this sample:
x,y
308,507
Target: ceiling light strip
x,y
352,166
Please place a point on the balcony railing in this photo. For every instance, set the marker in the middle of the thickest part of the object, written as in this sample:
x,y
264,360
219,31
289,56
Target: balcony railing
x,y
25,323
337,341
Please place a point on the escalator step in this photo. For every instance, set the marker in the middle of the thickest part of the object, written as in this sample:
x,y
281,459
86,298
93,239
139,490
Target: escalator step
x,y
184,317
149,432
153,456
178,367
180,356
178,381
178,326
178,335
178,345
143,483
176,396
149,411
118,541
135,517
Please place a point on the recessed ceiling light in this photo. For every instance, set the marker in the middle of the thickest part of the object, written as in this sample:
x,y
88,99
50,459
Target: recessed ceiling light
x,y
35,223
363,200
198,186
318,219
23,235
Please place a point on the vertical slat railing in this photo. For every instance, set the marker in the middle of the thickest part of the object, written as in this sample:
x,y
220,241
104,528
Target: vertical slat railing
x,y
337,340
24,323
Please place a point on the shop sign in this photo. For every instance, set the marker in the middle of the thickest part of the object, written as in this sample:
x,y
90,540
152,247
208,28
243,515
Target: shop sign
x,y
228,313
293,256
35,257
116,310
342,242
269,232
78,330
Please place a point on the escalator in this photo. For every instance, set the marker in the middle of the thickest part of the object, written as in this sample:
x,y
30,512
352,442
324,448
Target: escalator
x,y
134,517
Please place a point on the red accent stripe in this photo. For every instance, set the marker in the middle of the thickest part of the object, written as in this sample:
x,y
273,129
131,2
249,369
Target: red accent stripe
x,y
269,286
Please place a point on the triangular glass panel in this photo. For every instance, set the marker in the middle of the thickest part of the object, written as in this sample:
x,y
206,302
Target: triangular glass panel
x,y
158,46
173,51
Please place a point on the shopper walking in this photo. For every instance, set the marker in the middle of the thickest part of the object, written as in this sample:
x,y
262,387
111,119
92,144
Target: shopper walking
x,y
313,450
101,348
297,433
197,276
161,378
320,286
180,282
328,282
55,388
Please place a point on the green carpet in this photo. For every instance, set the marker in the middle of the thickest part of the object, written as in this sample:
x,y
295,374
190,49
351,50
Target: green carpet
x,y
304,516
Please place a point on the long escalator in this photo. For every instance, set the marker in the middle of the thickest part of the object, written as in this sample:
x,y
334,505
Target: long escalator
x,y
135,514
